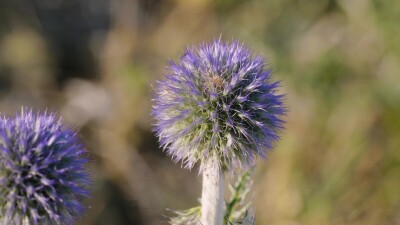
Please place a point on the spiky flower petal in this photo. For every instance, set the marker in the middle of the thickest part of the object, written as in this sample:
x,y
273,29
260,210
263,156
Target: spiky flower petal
x,y
42,175
218,101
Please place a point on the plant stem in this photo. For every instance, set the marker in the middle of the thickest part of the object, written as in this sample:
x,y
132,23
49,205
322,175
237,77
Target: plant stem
x,y
212,199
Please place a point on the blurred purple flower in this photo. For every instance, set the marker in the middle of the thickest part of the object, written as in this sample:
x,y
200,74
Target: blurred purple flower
x,y
218,101
42,175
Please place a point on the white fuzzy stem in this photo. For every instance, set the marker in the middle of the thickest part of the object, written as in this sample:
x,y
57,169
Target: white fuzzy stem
x,y
212,199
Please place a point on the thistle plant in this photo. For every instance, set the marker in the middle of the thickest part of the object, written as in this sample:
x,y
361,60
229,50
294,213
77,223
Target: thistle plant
x,y
217,106
42,175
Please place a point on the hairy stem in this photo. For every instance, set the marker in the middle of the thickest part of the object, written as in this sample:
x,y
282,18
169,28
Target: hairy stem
x,y
212,199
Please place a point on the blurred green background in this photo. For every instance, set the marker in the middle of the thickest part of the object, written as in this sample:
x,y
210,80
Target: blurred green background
x,y
95,61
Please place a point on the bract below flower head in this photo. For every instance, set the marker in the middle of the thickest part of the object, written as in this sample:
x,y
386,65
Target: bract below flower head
x,y
219,102
42,175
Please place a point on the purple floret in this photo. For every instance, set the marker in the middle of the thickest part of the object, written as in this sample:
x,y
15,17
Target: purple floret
x,y
42,174
218,101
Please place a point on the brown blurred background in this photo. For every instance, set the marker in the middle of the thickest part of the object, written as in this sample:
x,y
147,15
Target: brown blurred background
x,y
95,61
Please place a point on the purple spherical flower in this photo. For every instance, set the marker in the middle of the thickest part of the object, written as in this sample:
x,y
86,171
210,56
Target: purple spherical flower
x,y
218,101
42,175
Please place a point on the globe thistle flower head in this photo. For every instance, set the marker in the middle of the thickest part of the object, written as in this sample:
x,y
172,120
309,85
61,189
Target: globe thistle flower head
x,y
218,102
42,175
